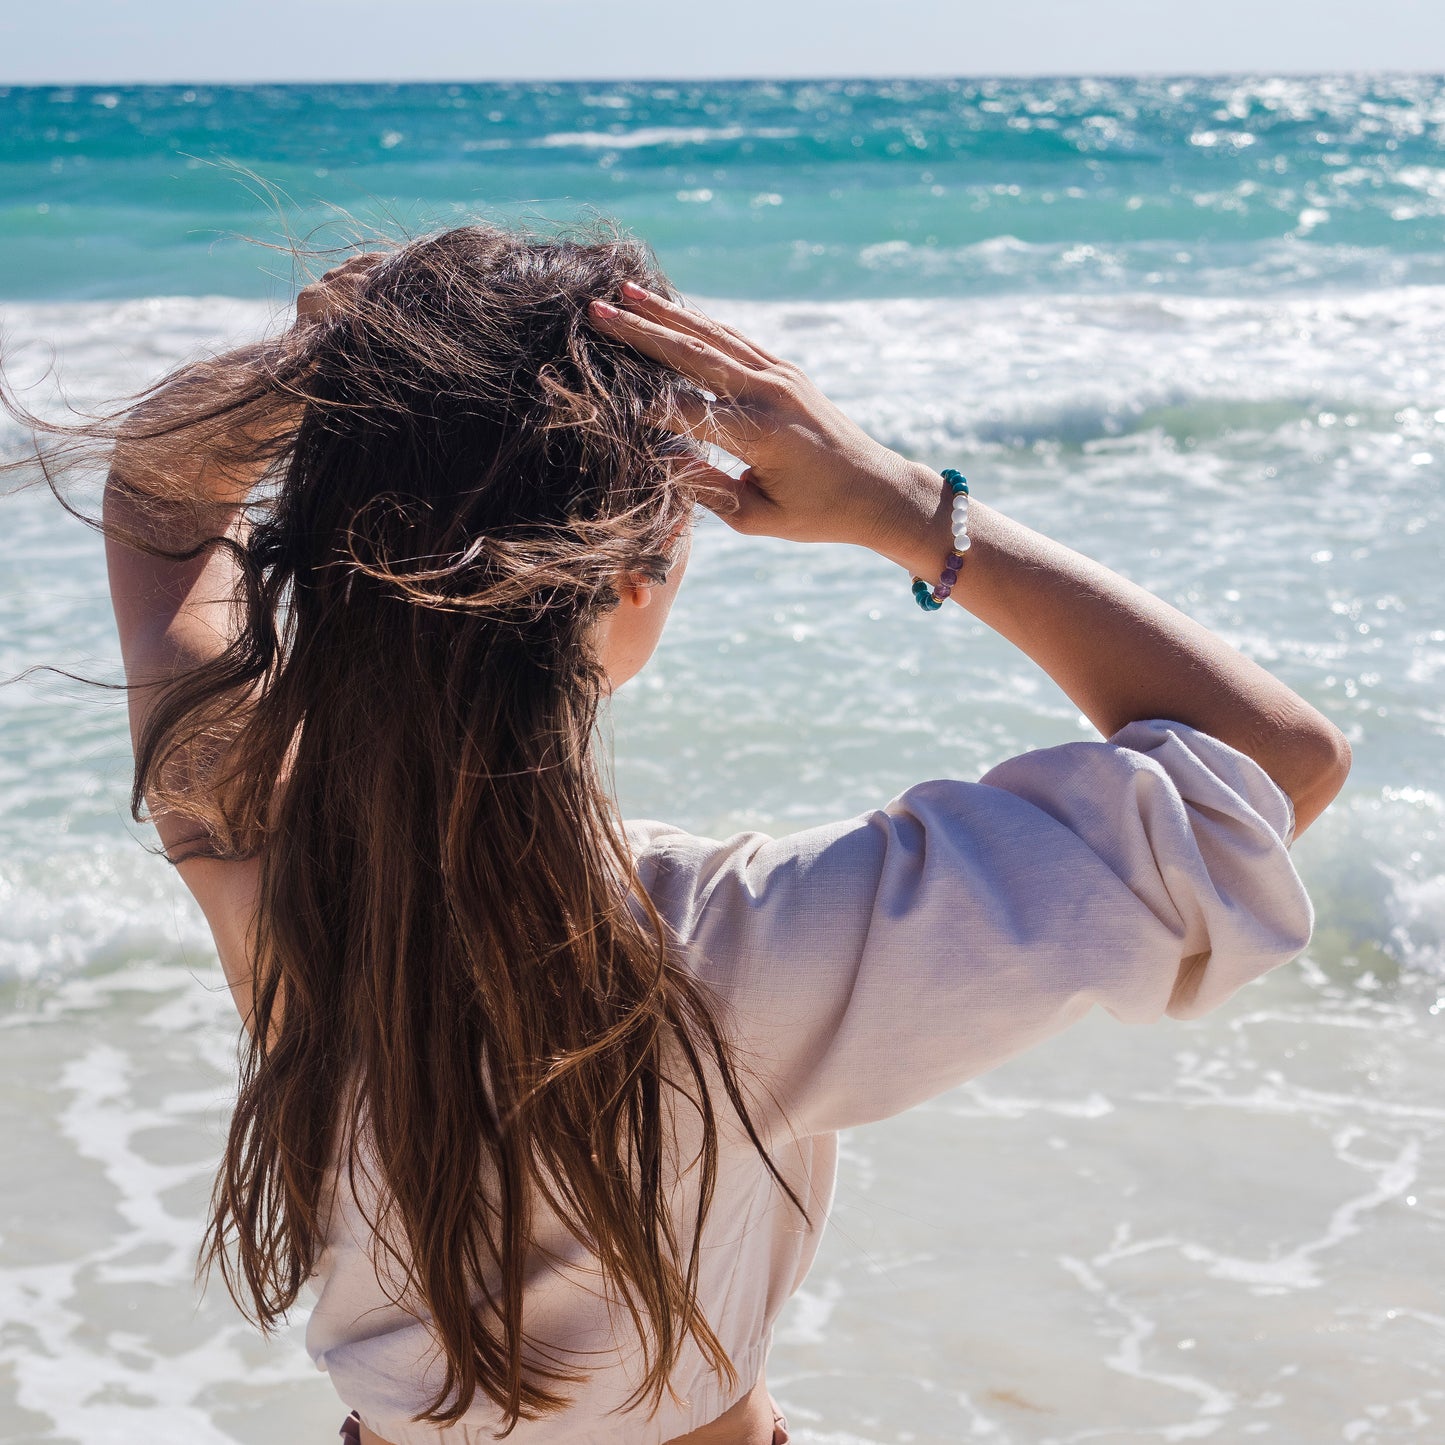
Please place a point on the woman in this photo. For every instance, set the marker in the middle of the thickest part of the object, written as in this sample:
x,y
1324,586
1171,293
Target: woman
x,y
542,1104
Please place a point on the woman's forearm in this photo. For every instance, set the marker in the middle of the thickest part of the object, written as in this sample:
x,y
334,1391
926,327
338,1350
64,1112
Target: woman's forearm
x,y
184,464
1119,652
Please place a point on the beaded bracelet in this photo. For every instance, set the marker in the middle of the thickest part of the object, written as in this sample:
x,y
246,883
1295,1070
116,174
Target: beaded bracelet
x,y
930,599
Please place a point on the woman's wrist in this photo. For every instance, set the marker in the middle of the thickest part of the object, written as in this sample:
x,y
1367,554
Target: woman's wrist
x,y
916,528
911,513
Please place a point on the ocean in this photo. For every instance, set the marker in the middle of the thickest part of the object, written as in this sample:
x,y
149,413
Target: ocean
x,y
1193,327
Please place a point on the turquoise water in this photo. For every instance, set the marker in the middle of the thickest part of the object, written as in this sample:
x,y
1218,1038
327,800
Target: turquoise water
x,y
817,189
1195,328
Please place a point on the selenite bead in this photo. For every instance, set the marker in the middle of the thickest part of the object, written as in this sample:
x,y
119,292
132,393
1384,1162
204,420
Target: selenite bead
x,y
960,506
962,543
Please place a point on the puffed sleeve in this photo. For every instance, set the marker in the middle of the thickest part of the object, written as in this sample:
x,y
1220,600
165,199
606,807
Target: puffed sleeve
x,y
875,962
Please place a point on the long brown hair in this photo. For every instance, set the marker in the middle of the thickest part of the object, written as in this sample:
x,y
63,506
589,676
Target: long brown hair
x,y
452,957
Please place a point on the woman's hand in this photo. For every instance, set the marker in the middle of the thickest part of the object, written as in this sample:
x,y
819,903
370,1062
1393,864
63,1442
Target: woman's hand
x,y
1119,652
323,298
813,475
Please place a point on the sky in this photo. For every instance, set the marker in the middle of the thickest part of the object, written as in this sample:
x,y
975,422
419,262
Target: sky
x,y
114,41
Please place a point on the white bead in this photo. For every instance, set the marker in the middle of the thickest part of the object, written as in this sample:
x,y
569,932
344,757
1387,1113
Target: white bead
x,y
961,542
960,507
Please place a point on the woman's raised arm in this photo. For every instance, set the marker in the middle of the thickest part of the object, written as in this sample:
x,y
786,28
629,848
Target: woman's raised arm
x,y
167,496
174,488
1120,653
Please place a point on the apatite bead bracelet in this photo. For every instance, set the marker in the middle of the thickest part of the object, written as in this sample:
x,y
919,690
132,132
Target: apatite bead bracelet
x,y
930,599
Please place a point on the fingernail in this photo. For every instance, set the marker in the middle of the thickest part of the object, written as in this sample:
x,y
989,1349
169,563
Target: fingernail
x,y
601,308
633,291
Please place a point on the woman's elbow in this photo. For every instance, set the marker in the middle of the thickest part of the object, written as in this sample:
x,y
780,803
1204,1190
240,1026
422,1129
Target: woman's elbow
x,y
1322,774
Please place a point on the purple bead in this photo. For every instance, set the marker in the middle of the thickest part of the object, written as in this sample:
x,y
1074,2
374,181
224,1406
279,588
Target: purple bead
x,y
949,575
954,560
941,591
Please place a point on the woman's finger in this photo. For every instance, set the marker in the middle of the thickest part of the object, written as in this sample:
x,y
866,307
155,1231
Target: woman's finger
x,y
362,261
714,423
350,269
748,508
733,430
690,416
687,353
737,500
726,339
316,299
716,490
764,356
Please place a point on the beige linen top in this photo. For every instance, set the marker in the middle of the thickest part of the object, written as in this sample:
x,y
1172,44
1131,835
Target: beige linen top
x,y
868,965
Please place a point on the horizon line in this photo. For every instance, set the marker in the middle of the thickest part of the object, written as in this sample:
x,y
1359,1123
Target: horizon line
x,y
779,79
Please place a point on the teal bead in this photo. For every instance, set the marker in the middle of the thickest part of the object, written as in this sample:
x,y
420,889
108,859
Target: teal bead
x,y
923,595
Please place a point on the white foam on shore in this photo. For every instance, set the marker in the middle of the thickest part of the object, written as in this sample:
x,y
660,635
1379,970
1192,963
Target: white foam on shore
x,y
80,1359
959,370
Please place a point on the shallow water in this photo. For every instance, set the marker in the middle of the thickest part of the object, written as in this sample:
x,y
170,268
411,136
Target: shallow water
x,y
1225,1229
